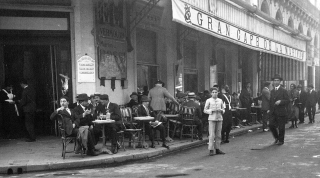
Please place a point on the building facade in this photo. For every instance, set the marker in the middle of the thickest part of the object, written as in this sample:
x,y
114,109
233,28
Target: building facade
x,y
68,47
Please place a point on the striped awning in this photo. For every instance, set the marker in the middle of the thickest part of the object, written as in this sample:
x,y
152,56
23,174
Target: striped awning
x,y
288,69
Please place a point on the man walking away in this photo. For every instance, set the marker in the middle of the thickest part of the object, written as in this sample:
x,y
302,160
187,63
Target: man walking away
x,y
311,103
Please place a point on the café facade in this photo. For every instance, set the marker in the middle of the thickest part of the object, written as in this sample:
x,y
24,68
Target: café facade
x,y
115,47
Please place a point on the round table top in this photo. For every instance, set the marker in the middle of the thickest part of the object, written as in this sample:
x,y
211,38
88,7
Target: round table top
x,y
109,121
144,118
256,106
240,108
171,115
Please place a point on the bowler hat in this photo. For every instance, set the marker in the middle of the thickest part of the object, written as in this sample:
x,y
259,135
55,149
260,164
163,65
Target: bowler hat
x,y
96,94
104,97
277,76
310,86
82,97
134,93
145,98
191,95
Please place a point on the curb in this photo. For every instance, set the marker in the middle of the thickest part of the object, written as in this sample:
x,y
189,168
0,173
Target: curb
x,y
93,161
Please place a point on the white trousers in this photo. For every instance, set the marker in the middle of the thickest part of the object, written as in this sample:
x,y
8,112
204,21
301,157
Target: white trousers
x,y
214,134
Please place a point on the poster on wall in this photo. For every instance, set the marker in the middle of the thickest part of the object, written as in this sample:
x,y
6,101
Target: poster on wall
x,y
110,36
86,69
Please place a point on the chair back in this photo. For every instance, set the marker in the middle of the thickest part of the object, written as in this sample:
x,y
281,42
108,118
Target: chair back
x,y
187,115
126,117
61,126
174,108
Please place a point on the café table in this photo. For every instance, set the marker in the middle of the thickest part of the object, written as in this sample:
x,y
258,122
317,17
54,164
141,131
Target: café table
x,y
170,116
104,148
257,113
144,119
241,113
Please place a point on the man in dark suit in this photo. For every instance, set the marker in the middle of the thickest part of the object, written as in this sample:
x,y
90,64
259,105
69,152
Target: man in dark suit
x,y
311,103
68,118
145,109
28,104
301,102
111,109
83,114
278,112
227,115
198,115
246,101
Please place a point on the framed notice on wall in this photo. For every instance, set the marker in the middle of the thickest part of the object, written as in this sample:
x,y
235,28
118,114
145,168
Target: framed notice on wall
x,y
86,69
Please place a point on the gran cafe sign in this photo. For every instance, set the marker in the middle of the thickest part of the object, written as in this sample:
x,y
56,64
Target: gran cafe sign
x,y
191,16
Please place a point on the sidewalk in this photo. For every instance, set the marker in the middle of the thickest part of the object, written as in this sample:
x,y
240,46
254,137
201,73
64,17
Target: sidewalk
x,y
18,156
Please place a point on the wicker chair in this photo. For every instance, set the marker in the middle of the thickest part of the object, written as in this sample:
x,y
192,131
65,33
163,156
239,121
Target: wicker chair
x,y
187,119
174,109
66,140
129,126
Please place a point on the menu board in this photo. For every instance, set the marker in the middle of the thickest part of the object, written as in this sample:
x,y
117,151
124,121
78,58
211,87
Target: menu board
x,y
86,69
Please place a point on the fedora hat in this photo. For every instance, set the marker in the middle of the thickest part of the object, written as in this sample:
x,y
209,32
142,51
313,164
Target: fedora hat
x,y
145,98
134,93
83,97
96,94
191,95
181,95
104,97
277,76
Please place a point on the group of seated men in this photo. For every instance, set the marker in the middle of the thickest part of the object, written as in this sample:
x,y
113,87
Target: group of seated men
x,y
78,120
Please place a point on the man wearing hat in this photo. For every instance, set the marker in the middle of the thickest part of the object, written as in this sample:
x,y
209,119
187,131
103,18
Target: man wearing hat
x,y
134,100
301,102
198,115
157,95
181,97
279,100
83,114
115,114
311,103
146,110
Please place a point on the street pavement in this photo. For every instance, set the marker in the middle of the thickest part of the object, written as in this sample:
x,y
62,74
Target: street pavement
x,y
249,156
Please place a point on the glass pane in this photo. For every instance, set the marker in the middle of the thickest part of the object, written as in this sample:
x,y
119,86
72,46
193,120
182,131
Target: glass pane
x,y
190,54
146,46
191,82
146,76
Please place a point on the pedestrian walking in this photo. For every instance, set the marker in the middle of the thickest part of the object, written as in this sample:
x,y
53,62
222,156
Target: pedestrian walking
x,y
311,103
301,102
293,107
215,108
278,103
265,105
246,101
227,115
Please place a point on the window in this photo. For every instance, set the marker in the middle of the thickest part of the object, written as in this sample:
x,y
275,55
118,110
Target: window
x,y
265,7
290,23
147,67
300,28
190,65
279,16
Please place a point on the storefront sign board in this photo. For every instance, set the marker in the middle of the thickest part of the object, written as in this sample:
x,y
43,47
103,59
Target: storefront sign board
x,y
193,17
86,69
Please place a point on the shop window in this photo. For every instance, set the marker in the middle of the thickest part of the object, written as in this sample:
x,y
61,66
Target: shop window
x,y
147,67
279,16
221,68
190,66
265,7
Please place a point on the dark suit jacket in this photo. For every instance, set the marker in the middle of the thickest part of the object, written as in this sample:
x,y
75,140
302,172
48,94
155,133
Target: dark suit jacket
x,y
67,119
198,110
302,98
83,121
245,98
28,100
282,95
143,112
114,111
311,99
265,98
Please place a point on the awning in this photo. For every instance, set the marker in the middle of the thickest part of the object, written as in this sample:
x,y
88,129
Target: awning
x,y
205,22
288,69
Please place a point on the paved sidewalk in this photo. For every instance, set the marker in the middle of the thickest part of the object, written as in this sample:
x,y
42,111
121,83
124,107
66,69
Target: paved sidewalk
x,y
45,154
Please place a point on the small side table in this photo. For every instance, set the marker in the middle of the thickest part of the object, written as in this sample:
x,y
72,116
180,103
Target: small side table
x,y
144,119
104,148
169,116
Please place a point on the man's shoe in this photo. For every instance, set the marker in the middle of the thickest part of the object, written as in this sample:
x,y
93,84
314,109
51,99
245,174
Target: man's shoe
x,y
301,122
280,143
92,153
265,130
226,141
30,140
219,152
292,126
276,141
165,146
211,153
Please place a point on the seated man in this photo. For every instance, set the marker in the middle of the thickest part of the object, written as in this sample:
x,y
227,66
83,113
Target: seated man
x,y
191,103
145,110
115,114
83,114
133,101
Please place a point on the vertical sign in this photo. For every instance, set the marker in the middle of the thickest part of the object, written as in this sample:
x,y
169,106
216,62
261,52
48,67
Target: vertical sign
x,y
86,69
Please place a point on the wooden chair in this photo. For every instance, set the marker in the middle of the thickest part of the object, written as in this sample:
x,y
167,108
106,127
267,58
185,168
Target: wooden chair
x,y
66,140
187,119
129,126
174,109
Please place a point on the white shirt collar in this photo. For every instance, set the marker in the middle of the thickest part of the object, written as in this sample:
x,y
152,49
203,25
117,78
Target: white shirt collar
x,y
83,107
277,87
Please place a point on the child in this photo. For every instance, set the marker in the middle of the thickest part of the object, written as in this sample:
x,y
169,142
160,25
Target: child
x,y
215,108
